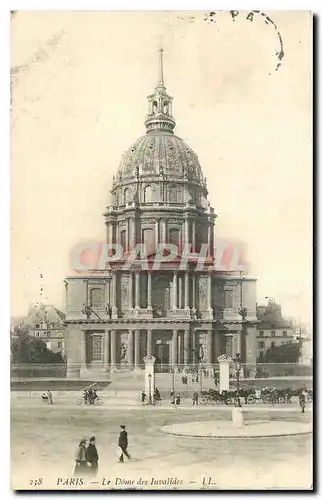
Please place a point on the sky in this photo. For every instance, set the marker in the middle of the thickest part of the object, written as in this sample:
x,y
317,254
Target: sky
x,y
79,87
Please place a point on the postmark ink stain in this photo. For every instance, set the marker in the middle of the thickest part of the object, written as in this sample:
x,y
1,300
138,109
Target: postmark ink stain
x,y
251,17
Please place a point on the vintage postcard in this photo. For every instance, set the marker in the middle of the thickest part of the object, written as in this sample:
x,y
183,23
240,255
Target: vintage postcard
x,y
161,321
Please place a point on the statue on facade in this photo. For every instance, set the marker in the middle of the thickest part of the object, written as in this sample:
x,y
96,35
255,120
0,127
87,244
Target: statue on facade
x,y
124,293
108,310
86,310
154,108
123,352
166,109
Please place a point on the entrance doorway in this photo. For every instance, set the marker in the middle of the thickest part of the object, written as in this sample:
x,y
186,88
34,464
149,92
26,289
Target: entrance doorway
x,y
94,348
162,354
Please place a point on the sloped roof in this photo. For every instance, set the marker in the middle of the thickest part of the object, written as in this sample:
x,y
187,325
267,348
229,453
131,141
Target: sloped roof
x,y
41,312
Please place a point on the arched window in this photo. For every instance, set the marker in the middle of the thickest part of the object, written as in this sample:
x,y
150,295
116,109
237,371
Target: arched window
x,y
148,194
125,195
165,107
173,236
155,107
96,297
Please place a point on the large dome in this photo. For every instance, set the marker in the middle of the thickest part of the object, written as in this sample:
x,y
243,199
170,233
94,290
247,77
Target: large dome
x,y
160,153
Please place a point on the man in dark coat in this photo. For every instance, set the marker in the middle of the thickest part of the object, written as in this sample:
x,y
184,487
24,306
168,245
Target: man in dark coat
x,y
123,443
92,456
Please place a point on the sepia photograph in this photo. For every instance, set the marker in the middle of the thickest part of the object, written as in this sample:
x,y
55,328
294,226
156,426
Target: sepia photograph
x,y
161,323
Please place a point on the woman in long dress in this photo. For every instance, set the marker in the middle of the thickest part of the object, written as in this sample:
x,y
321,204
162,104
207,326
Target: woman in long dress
x,y
80,459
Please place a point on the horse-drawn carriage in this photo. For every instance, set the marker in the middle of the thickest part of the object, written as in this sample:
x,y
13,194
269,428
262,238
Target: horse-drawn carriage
x,y
250,395
213,396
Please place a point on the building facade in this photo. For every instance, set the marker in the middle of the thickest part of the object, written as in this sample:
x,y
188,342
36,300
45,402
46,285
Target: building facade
x,y
273,329
181,314
45,322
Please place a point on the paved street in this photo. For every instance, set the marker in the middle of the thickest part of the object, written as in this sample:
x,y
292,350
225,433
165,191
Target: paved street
x,y
44,440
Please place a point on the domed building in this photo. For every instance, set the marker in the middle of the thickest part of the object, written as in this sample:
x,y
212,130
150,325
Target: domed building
x,y
154,297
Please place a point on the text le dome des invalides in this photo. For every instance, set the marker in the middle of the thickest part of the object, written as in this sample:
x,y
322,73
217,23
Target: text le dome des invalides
x,y
182,315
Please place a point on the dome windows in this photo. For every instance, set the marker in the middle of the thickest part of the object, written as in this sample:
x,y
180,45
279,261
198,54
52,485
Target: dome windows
x,y
125,196
148,194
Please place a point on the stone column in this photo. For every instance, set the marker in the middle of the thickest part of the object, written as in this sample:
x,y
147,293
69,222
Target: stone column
x,y
180,286
137,292
186,232
114,295
238,344
193,237
130,290
113,346
137,348
73,350
156,233
186,346
193,292
149,291
83,348
162,231
106,357
174,348
186,291
194,354
130,348
175,290
133,233
179,348
209,293
209,238
149,342
209,347
217,345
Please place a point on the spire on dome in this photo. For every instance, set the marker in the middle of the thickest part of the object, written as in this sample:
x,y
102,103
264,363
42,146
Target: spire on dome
x,y
161,69
160,104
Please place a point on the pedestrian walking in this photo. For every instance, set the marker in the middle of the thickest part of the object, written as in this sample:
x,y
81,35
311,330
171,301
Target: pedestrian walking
x,y
80,459
92,456
50,397
302,402
123,443
195,397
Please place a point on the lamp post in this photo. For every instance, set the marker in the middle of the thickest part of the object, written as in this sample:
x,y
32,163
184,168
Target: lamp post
x,y
149,385
237,363
173,379
201,377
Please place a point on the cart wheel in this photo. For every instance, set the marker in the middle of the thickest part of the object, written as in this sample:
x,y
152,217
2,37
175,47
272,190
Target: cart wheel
x,y
251,399
79,401
229,401
267,398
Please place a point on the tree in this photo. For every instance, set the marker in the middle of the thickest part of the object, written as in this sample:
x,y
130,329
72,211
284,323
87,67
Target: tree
x,y
288,353
27,349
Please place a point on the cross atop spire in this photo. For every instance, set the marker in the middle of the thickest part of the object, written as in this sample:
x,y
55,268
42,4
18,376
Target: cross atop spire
x,y
161,68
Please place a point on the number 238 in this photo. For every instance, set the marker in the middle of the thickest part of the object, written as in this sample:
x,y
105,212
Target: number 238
x,y
36,482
